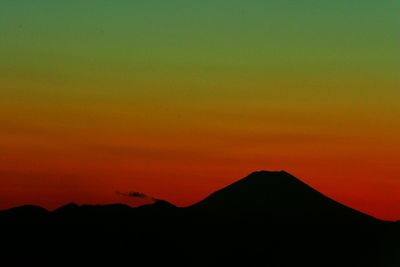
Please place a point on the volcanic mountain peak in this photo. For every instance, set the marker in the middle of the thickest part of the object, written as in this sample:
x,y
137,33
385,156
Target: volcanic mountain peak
x,y
278,196
269,179
261,185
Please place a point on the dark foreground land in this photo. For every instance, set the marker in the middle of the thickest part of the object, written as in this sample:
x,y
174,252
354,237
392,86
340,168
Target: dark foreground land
x,y
265,219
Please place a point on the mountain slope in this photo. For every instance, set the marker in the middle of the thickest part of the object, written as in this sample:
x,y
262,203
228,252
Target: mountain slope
x,y
277,197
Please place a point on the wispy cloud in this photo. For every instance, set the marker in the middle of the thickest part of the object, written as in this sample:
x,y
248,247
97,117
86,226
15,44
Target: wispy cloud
x,y
133,194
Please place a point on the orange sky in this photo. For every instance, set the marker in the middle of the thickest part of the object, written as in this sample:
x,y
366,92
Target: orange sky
x,y
178,100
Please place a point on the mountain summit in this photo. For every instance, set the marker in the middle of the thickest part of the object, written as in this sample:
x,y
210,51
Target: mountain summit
x,y
277,197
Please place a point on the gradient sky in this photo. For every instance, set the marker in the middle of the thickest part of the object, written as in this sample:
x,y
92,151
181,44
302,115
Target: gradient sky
x,y
179,98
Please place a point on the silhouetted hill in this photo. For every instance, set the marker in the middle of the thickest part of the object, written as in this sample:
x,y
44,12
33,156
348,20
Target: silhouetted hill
x,y
157,207
27,209
68,208
277,197
265,219
24,214
92,211
158,204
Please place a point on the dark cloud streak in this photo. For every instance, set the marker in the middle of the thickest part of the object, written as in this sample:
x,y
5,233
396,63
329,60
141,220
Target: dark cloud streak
x,y
133,194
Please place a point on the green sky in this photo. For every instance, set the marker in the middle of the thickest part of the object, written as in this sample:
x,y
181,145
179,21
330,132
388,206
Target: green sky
x,y
254,84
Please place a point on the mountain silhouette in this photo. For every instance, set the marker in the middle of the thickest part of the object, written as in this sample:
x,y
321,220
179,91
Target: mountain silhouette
x,y
278,197
29,214
158,205
265,219
26,210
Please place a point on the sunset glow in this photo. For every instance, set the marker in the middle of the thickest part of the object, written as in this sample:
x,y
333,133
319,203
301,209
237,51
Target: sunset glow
x,y
177,99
